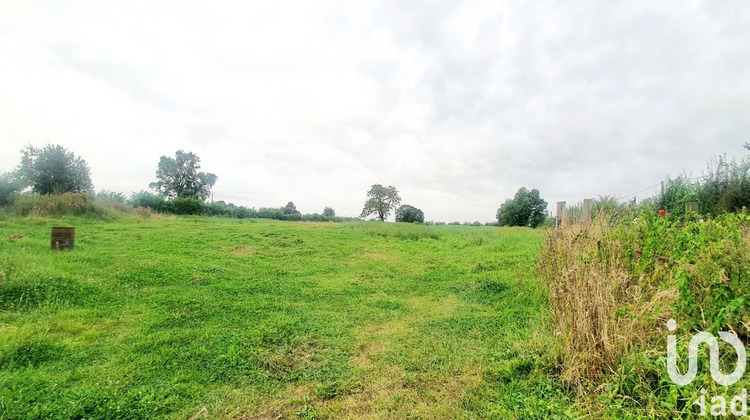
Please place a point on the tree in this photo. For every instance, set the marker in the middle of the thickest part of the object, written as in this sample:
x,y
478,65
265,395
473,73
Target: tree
x,y
178,177
54,170
409,214
290,209
328,212
9,186
526,208
381,200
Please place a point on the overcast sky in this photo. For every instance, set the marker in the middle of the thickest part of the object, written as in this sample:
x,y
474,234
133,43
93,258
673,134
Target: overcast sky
x,y
457,104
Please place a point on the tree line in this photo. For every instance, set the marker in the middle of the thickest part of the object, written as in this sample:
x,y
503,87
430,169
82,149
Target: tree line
x,y
182,188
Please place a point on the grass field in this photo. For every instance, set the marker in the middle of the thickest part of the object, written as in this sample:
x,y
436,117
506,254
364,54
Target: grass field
x,y
161,317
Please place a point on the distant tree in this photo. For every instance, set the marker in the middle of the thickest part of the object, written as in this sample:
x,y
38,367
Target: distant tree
x,y
526,208
9,185
178,177
290,209
328,212
409,214
53,170
381,201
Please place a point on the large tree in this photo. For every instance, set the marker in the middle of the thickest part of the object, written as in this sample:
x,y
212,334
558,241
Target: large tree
x,y
180,177
526,208
290,209
409,214
381,201
54,170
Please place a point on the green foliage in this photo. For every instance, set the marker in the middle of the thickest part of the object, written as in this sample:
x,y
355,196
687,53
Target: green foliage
x,y
381,201
723,188
709,262
695,270
183,206
328,212
409,214
54,170
148,200
290,209
112,196
526,208
9,187
178,177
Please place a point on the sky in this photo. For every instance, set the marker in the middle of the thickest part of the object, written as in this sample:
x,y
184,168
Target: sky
x,y
456,104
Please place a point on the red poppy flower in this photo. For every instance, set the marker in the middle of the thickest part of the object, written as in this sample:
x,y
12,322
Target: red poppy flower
x,y
662,213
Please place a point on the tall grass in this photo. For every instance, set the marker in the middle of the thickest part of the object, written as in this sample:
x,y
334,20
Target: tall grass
x,y
601,305
64,204
611,289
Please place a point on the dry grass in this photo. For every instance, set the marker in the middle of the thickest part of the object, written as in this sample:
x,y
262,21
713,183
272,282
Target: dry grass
x,y
600,307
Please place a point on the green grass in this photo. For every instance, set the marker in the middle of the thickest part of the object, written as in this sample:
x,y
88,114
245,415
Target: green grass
x,y
161,317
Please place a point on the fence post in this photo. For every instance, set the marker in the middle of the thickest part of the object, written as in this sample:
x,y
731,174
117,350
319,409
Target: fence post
x,y
560,219
588,205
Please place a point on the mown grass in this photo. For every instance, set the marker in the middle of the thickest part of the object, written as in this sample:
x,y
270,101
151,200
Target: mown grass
x,y
161,317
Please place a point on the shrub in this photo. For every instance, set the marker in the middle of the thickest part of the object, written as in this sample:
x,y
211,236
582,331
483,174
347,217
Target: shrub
x,y
184,206
218,208
146,199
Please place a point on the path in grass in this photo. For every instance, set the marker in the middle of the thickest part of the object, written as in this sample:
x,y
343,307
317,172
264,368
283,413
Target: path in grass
x,y
163,316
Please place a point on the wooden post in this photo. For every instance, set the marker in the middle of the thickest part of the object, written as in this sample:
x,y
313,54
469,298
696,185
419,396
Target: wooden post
x,y
588,205
691,207
560,220
63,238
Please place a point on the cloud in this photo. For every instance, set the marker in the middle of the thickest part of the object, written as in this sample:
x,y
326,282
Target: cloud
x,y
457,105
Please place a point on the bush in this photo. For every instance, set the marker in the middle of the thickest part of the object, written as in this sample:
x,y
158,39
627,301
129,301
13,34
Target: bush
x,y
218,208
184,206
146,199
